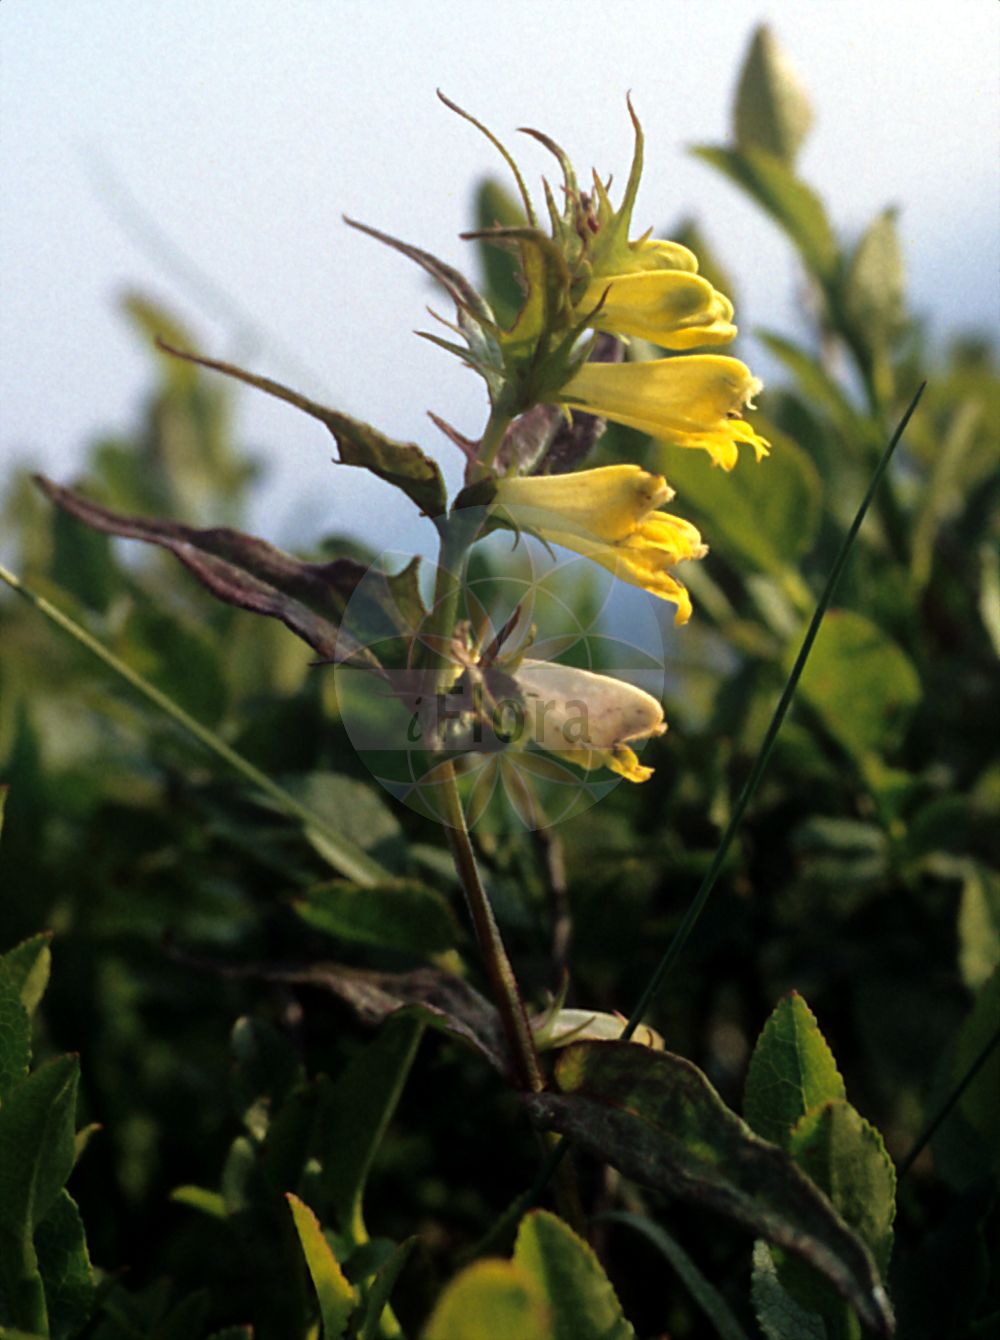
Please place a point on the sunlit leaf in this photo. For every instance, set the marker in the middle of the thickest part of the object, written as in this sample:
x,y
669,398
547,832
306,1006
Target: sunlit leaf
x,y
791,1071
337,1297
491,1300
582,1303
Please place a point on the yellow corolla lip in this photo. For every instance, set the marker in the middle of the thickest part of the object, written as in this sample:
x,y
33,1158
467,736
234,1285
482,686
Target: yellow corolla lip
x,y
696,401
588,719
671,308
610,515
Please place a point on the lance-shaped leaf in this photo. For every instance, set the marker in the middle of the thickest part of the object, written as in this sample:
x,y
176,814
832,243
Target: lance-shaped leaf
x,y
656,1118
445,1001
772,109
402,464
309,598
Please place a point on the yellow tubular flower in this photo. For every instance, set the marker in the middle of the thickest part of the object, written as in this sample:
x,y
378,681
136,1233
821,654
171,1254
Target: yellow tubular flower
x,y
588,719
610,515
691,402
672,308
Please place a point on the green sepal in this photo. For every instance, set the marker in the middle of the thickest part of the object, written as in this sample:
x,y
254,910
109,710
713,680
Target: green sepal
x,y
401,464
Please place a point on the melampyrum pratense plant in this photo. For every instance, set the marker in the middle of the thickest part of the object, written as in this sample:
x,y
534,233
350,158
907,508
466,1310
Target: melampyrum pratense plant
x,y
607,325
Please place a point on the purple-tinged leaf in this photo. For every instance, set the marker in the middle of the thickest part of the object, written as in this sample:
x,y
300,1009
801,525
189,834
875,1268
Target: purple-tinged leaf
x,y
444,1001
309,598
401,464
655,1117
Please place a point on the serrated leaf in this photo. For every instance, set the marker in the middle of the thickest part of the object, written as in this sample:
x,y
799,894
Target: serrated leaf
x,y
655,1117
27,966
401,464
846,1156
337,1296
364,1098
772,110
791,1071
400,914
789,201
64,1265
860,683
768,517
491,1300
36,1144
779,1315
15,1037
582,1303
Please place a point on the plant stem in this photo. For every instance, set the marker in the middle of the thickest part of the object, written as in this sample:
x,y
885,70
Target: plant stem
x,y
349,858
492,438
503,983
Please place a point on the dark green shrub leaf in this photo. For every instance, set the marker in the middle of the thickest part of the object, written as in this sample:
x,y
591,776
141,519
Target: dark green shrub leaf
x,y
980,1103
495,205
362,1101
656,1118
791,1071
27,967
337,1297
400,914
772,111
36,1145
863,687
64,1264
979,925
779,1315
582,1303
846,1156
15,1037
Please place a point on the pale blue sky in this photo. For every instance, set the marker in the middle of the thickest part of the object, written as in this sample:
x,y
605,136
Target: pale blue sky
x,y
246,129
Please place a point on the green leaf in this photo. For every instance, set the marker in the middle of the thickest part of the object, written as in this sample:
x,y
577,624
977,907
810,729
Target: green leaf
x,y
337,1297
791,1071
491,1300
766,513
15,1037
860,683
980,1103
381,1289
36,1144
401,914
27,967
656,1118
200,1198
401,464
582,1302
789,201
364,1098
979,925
772,110
873,294
780,1316
64,1264
704,1293
846,1156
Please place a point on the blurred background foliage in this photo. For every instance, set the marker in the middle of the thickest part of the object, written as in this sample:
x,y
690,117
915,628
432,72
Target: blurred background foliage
x,y
866,875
